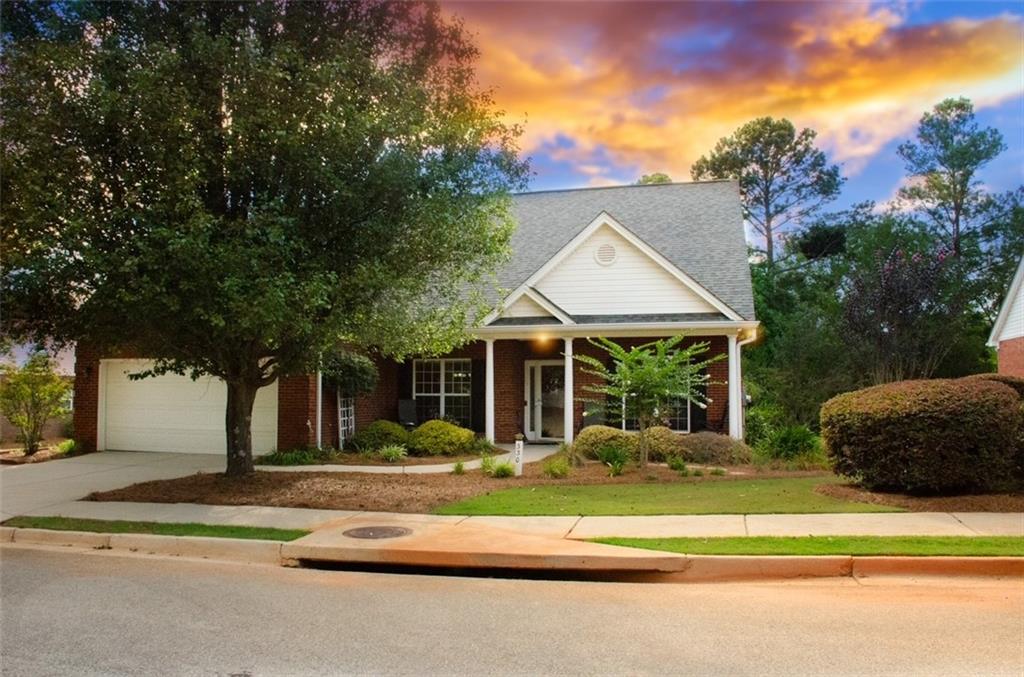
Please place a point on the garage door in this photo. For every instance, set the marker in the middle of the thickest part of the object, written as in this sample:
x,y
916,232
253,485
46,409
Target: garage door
x,y
174,413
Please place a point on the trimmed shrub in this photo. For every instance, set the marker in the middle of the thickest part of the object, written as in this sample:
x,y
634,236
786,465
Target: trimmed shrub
x,y
380,434
708,448
791,442
1015,382
662,443
441,438
937,436
594,437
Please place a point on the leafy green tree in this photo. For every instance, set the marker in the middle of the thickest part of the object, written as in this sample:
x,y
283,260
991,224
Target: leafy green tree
x,y
32,394
657,177
944,161
237,188
645,382
784,178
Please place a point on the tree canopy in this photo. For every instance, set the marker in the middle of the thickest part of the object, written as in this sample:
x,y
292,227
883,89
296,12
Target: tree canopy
x,y
784,178
235,188
657,177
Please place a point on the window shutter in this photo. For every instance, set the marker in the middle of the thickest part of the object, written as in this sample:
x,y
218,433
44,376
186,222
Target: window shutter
x,y
699,415
478,395
405,380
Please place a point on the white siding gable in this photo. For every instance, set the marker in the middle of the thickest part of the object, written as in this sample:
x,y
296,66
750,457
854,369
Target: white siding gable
x,y
1014,325
632,284
524,306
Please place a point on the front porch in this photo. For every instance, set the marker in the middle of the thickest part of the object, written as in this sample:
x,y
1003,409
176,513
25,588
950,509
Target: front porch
x,y
504,386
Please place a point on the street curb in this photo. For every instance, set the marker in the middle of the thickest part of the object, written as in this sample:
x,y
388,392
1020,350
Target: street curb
x,y
73,539
864,567
693,569
250,551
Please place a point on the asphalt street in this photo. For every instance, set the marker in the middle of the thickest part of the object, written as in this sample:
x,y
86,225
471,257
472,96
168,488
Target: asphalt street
x,y
73,613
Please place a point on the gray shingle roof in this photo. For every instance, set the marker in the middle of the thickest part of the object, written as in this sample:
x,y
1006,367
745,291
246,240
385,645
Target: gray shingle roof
x,y
697,226
612,319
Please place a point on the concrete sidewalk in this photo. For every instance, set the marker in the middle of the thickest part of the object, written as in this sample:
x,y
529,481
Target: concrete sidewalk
x,y
531,454
573,527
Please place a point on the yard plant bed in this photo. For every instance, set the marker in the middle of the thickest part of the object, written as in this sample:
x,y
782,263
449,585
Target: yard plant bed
x,y
1006,502
158,528
587,490
51,452
911,546
353,458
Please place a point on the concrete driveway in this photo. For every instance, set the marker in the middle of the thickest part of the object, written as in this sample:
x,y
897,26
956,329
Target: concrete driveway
x,y
29,488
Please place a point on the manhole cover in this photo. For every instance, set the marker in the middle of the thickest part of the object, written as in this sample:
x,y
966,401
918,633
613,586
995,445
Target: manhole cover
x,y
377,532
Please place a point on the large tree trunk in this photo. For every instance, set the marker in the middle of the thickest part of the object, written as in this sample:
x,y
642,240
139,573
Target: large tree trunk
x,y
238,423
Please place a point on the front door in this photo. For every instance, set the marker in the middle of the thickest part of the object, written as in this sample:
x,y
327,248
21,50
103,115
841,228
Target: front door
x,y
545,400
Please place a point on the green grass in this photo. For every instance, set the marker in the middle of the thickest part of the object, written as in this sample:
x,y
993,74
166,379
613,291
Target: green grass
x,y
921,546
160,528
723,497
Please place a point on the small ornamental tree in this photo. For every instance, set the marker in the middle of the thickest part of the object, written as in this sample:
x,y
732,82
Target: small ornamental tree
x,y
645,382
895,311
32,394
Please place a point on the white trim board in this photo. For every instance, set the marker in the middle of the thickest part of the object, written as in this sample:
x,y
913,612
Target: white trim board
x,y
1013,295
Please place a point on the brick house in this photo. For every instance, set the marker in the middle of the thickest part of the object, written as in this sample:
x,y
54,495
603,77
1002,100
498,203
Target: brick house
x,y
631,263
1008,333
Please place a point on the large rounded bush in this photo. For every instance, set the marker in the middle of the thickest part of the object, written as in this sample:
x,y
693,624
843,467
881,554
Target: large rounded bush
x,y
708,448
1015,382
936,436
379,434
663,443
441,438
593,438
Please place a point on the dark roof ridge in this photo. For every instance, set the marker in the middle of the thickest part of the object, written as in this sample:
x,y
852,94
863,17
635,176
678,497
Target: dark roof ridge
x,y
624,185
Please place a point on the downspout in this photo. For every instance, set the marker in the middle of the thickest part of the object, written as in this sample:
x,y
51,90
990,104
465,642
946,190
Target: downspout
x,y
743,402
319,408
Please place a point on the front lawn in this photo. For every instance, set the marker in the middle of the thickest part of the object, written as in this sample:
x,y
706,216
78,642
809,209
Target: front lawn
x,y
784,495
918,546
160,528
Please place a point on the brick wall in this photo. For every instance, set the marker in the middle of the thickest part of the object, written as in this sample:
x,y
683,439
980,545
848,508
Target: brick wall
x,y
296,411
509,358
1011,357
87,396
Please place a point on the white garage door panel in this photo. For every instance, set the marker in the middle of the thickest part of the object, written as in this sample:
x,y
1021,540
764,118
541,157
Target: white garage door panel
x,y
174,413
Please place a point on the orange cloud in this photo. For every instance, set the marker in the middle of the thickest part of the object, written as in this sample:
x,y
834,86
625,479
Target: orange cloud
x,y
654,85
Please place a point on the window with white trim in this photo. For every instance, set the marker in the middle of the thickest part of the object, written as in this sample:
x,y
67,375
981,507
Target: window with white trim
x,y
443,388
676,418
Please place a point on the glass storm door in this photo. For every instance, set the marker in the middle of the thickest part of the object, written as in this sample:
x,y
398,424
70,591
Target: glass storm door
x,y
544,416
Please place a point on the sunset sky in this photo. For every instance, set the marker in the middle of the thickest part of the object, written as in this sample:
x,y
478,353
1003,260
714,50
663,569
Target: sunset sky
x,y
610,91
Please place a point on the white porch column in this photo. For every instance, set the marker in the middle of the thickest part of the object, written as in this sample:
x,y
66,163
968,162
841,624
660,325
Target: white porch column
x,y
569,408
489,392
735,391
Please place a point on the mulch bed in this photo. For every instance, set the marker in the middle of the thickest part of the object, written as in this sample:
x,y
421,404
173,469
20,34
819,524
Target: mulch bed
x,y
18,457
381,492
1009,502
347,458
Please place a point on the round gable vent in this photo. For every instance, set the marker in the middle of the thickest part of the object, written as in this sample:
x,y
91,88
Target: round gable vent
x,y
605,254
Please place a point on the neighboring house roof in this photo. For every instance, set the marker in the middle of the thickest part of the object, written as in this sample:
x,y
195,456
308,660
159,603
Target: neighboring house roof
x,y
1010,322
697,227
